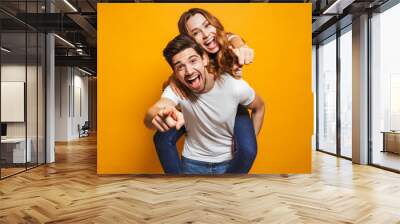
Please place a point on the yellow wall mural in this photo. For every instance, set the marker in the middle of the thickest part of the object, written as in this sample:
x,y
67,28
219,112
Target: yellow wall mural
x,y
131,70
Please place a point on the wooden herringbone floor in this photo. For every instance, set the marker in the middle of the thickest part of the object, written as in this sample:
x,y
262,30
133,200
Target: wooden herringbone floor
x,y
69,191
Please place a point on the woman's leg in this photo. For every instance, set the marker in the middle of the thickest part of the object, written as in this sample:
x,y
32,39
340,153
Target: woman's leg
x,y
245,143
165,143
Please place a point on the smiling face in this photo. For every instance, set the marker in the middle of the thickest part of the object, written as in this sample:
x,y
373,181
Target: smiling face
x,y
190,69
203,33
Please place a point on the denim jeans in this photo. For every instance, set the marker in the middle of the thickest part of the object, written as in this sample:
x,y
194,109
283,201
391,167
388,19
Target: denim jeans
x,y
190,166
245,150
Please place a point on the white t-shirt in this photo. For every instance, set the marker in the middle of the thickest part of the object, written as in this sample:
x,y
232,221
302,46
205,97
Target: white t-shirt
x,y
209,121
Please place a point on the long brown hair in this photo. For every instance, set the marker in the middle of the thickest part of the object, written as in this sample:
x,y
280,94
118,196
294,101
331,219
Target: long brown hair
x,y
225,59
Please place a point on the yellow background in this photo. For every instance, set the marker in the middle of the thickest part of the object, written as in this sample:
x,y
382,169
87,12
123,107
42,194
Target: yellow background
x,y
131,70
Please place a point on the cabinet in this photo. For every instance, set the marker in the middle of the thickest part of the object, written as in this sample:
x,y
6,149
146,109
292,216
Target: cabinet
x,y
391,142
13,151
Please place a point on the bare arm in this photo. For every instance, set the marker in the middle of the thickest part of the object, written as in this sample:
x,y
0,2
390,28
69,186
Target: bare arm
x,y
243,52
163,116
176,87
236,41
257,113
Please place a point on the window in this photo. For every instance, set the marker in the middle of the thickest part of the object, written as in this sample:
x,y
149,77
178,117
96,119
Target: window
x,y
22,64
327,95
385,88
346,93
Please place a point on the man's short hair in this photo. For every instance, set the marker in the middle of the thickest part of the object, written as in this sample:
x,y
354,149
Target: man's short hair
x,y
178,44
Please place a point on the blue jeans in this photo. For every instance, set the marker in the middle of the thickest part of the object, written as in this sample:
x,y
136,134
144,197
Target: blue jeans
x,y
190,166
243,156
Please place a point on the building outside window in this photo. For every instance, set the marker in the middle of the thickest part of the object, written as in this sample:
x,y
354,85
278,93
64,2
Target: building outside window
x,y
385,88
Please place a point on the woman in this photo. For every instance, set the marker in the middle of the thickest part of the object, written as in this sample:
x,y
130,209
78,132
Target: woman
x,y
227,53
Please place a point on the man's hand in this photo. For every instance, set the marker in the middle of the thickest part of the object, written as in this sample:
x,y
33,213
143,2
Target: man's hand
x,y
168,118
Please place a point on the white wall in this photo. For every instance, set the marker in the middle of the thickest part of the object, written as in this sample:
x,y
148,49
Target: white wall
x,y
16,73
80,84
61,103
71,94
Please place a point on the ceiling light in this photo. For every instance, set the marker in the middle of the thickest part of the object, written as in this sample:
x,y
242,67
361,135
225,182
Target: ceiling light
x,y
70,5
84,71
5,50
337,7
79,51
64,40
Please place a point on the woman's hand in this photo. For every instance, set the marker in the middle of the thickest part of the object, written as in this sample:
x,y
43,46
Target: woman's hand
x,y
244,54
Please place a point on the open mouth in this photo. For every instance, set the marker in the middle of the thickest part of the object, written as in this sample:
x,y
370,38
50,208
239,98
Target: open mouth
x,y
194,81
210,43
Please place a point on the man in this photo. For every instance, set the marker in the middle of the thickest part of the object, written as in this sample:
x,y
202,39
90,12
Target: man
x,y
209,115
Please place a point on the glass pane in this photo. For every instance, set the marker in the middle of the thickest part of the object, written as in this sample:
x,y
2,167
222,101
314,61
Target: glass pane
x,y
31,84
346,94
32,95
41,98
314,78
14,153
22,88
327,96
386,88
